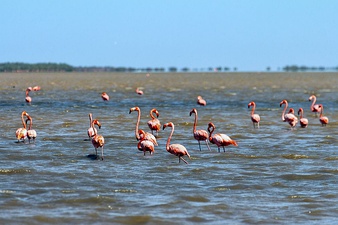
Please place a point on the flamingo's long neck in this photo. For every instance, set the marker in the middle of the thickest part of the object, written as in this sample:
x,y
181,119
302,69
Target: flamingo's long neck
x,y
253,109
151,114
301,114
321,111
95,131
90,119
313,102
210,132
169,138
283,114
23,121
195,123
137,123
31,123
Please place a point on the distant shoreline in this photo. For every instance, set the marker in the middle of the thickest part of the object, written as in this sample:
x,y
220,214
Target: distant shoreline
x,y
19,67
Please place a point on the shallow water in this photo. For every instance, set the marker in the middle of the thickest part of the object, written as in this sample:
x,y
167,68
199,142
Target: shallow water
x,y
275,175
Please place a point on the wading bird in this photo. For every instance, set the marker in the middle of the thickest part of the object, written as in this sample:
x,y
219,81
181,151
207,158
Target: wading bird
x,y
314,107
36,88
97,140
199,135
28,99
289,117
323,119
255,118
145,145
175,149
201,101
154,124
105,96
148,136
21,133
31,134
139,91
303,121
220,140
91,130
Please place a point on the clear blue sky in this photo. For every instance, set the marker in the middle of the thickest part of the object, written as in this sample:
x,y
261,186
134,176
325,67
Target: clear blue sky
x,y
248,34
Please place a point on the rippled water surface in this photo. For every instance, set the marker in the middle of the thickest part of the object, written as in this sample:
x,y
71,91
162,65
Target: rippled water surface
x,y
275,176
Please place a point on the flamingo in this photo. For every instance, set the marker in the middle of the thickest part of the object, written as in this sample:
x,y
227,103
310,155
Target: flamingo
x,y
36,88
289,117
201,101
303,121
97,140
105,96
148,136
323,119
91,130
139,91
21,133
145,145
219,139
255,118
314,107
154,124
199,135
28,99
175,149
31,134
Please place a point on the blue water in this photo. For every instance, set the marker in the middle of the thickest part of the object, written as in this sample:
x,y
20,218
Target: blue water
x,y
275,176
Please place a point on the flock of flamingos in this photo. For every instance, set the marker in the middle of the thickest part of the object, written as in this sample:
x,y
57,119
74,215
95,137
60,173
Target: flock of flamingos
x,y
147,141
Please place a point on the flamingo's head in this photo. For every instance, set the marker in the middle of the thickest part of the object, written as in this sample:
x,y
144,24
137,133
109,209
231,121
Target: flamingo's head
x,y
312,97
300,110
156,112
134,109
251,104
211,125
97,123
282,102
193,111
142,134
170,124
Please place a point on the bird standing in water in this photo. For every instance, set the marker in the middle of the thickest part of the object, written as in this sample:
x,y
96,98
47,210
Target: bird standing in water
x,y
175,149
199,135
255,118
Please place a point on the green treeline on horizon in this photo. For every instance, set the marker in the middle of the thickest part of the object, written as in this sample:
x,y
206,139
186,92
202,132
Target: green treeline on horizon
x,y
63,67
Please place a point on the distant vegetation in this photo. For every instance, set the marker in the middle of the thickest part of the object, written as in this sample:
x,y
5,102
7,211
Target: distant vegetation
x,y
63,67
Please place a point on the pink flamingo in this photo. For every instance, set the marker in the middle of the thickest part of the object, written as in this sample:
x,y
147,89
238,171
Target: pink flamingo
x,y
154,124
139,91
303,121
148,136
289,117
175,149
105,96
255,118
31,134
219,139
91,130
201,101
145,145
323,119
36,88
28,99
314,107
199,135
21,133
97,140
